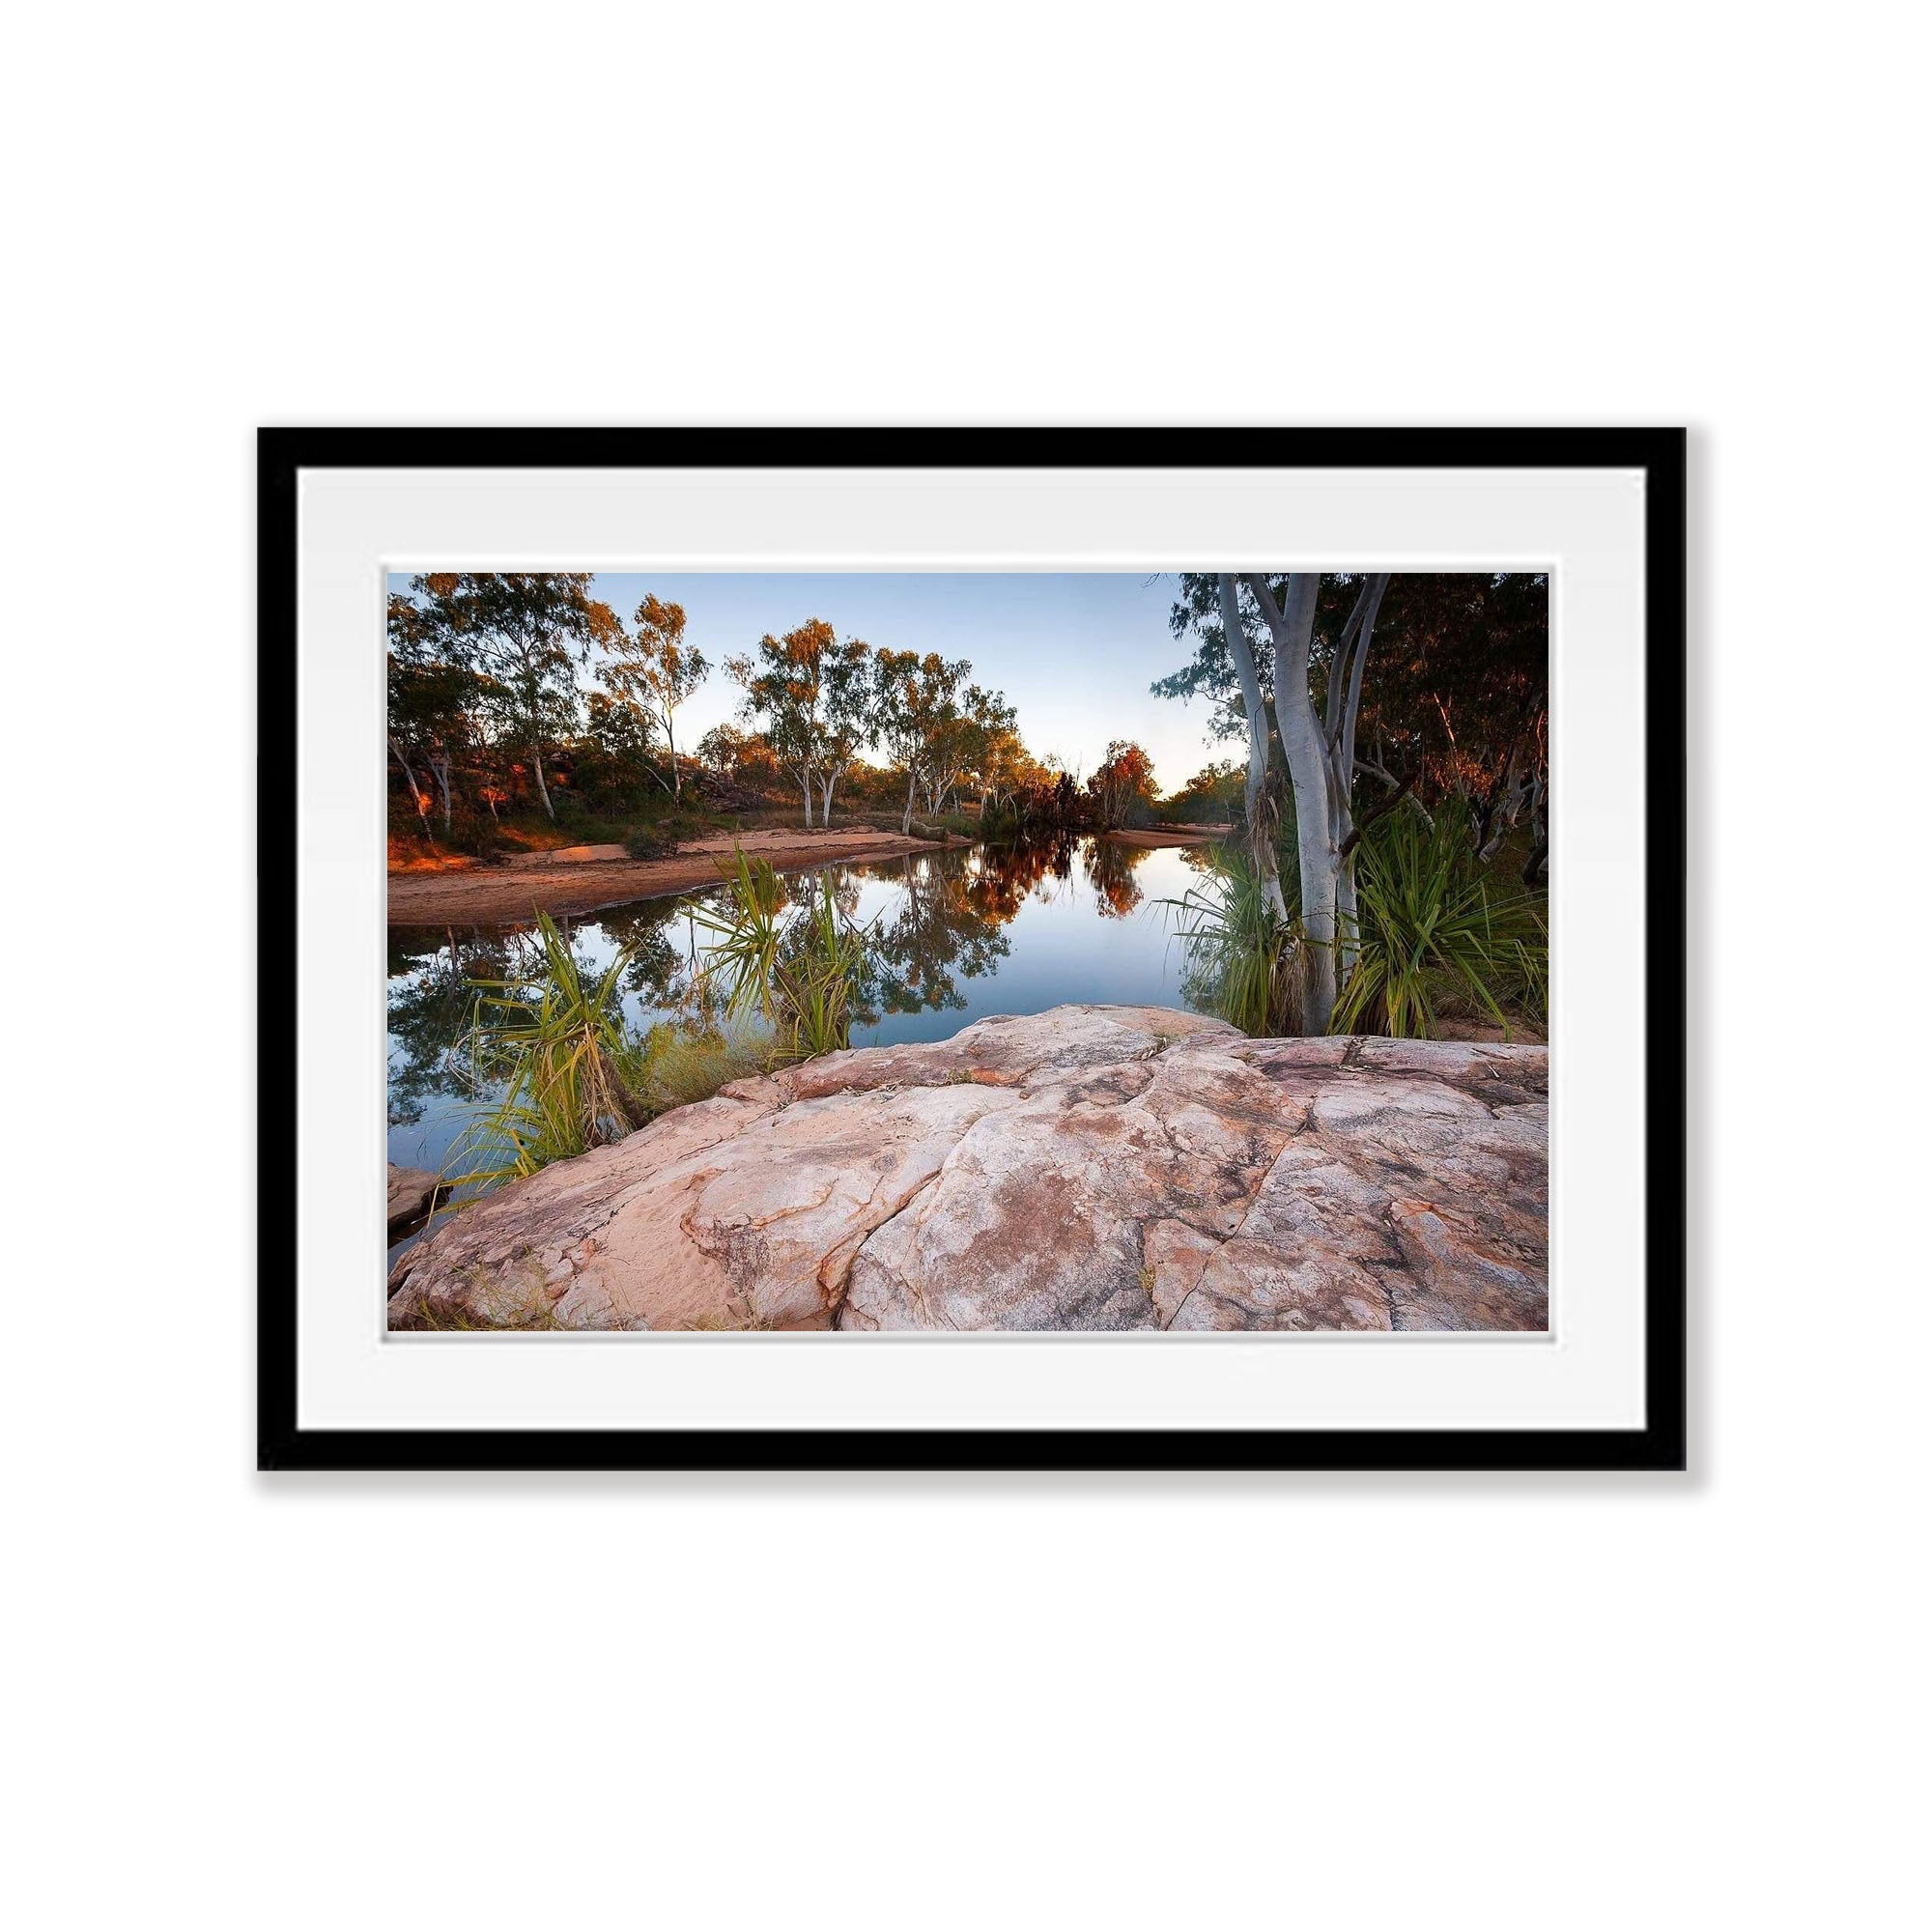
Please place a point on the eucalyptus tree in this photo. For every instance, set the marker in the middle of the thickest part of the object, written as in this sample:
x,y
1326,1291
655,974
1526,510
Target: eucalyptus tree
x,y
847,689
784,686
522,635
916,711
1257,802
1259,661
1460,701
1120,784
652,672
615,752
431,705
1318,747
1005,767
963,735
895,723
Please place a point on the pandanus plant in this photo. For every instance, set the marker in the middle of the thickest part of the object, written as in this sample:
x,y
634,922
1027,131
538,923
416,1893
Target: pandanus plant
x,y
794,964
555,1038
1431,924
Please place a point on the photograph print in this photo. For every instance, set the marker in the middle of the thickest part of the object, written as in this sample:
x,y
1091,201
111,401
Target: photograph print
x,y
949,953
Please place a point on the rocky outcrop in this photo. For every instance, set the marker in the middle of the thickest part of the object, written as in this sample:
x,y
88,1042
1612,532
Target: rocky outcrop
x,y
1088,1168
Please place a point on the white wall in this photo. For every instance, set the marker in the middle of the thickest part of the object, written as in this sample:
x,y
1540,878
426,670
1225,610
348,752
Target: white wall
x,y
892,1703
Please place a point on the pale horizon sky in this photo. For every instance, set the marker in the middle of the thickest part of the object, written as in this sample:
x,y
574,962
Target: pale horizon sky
x,y
1073,651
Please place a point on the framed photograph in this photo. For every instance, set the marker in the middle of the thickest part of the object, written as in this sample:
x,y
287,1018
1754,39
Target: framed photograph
x,y
972,949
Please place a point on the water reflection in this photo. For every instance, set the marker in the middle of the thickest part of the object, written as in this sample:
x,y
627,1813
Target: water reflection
x,y
431,995
955,936
939,927
1110,872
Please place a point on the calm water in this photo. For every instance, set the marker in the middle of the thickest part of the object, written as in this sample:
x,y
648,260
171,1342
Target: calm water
x,y
956,935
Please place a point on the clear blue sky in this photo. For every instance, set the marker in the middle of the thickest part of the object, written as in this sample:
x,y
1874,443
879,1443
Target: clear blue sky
x,y
1074,653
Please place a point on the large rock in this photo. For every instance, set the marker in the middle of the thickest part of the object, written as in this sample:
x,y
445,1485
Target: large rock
x,y
412,1192
1088,1168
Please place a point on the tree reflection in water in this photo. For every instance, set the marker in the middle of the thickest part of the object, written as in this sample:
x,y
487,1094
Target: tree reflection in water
x,y
431,999
1109,871
936,928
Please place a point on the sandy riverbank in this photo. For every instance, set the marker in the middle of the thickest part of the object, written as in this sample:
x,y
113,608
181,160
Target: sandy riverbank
x,y
1155,837
489,894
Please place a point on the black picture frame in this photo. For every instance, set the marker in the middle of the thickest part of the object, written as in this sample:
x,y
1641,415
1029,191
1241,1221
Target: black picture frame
x,y
1660,1444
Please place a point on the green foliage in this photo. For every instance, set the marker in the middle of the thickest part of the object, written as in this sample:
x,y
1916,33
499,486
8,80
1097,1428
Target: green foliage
x,y
679,1065
516,639
556,1041
1457,682
1433,925
744,932
1242,958
818,973
1214,792
795,965
651,674
660,838
1530,958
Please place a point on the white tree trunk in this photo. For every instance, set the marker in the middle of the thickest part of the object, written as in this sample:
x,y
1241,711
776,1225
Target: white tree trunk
x,y
1302,744
1342,767
1348,919
804,779
676,783
416,792
543,790
1259,838
912,780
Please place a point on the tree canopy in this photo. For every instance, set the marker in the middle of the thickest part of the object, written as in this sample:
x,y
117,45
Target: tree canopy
x,y
652,672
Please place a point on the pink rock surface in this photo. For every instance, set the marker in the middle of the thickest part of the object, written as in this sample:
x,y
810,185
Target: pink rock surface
x,y
1088,1168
